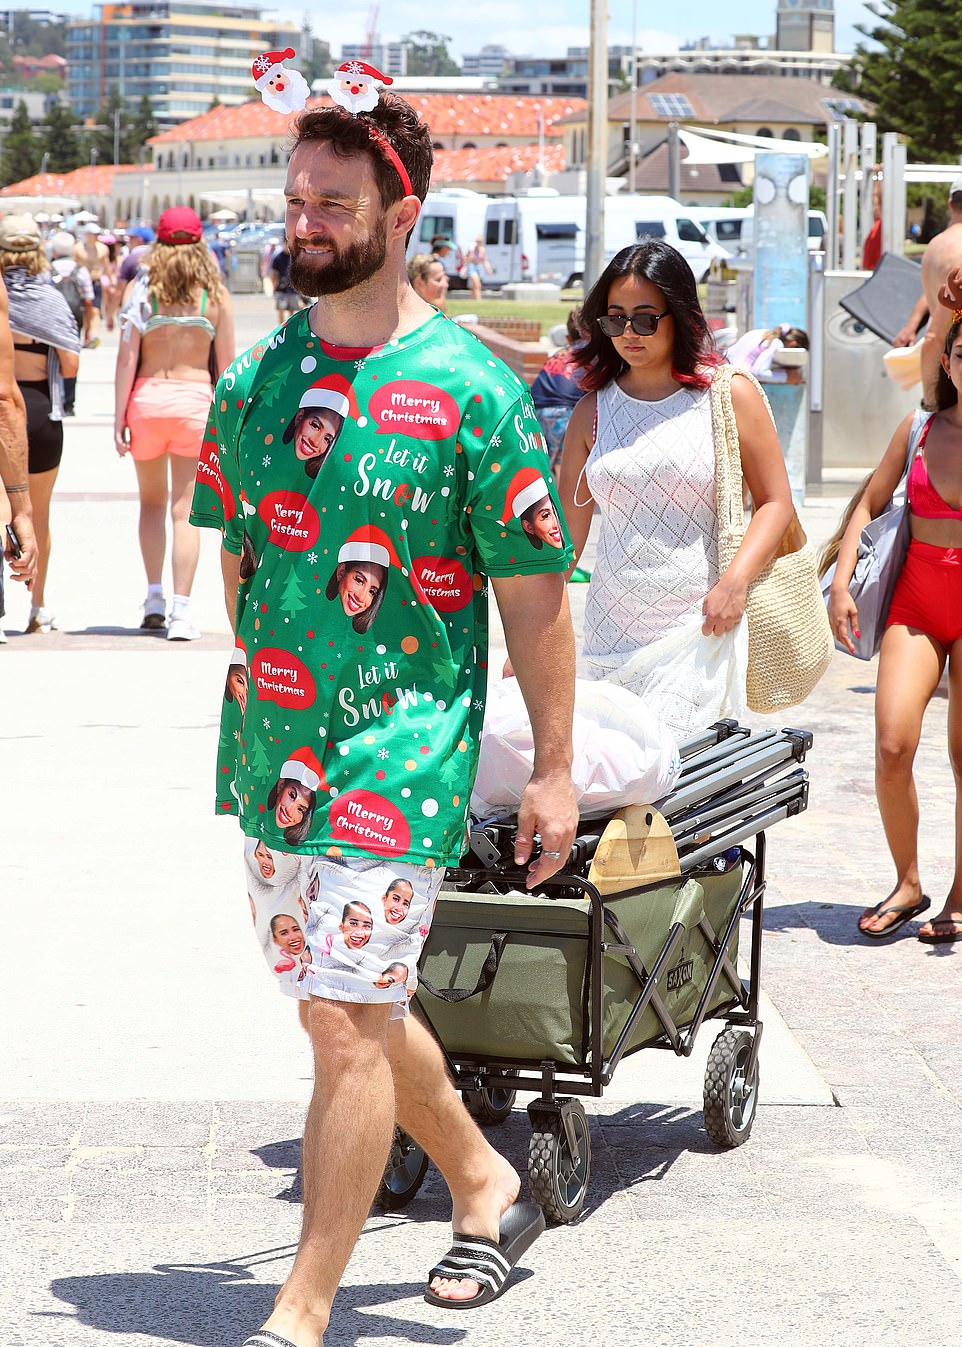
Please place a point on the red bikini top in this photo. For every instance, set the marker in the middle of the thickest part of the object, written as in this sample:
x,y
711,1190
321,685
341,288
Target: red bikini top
x,y
924,501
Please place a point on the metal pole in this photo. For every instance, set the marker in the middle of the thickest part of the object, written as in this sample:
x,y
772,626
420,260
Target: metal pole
x,y
597,143
831,195
850,194
632,109
674,161
866,212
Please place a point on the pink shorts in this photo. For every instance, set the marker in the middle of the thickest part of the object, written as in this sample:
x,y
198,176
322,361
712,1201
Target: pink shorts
x,y
343,929
168,416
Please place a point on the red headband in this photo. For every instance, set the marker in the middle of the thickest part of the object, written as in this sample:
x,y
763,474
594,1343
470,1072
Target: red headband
x,y
393,157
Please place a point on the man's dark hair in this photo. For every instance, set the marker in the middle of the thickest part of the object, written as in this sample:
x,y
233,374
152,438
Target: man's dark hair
x,y
396,121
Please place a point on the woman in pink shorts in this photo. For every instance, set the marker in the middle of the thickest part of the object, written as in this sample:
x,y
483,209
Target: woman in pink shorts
x,y
175,335
923,634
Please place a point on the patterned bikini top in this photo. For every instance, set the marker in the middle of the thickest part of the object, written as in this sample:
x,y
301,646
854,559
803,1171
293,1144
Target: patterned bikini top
x,y
924,501
157,320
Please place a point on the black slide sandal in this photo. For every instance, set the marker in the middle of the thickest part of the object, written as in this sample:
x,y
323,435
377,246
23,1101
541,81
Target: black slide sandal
x,y
485,1261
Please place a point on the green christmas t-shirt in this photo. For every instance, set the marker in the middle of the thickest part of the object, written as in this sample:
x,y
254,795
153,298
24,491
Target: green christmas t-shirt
x,y
368,494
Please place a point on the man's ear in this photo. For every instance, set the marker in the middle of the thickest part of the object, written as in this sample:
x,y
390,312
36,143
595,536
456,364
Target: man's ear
x,y
407,215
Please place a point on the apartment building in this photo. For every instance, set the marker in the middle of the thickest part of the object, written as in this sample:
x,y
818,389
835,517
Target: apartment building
x,y
183,54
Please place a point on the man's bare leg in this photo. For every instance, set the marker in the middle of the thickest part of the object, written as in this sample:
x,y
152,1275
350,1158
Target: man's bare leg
x,y
483,1184
347,1138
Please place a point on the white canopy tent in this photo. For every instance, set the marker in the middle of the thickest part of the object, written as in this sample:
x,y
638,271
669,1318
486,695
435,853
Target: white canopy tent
x,y
706,145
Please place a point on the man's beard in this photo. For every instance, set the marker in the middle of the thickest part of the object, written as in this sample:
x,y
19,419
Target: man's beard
x,y
343,270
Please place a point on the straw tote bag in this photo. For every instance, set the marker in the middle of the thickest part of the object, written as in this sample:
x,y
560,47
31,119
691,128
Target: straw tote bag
x,y
789,638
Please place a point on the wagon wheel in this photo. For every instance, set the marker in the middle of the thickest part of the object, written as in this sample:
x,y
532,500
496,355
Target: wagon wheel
x,y
406,1167
731,1090
558,1177
492,1103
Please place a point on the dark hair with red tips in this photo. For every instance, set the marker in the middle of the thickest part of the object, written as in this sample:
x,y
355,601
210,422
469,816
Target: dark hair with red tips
x,y
693,356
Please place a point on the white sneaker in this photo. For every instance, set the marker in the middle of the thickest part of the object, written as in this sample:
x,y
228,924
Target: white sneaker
x,y
155,613
40,619
182,629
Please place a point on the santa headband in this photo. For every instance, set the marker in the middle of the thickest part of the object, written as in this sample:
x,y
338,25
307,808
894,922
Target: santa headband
x,y
363,75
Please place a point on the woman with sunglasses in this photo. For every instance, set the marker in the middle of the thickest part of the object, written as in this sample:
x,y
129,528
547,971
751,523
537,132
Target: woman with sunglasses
x,y
640,446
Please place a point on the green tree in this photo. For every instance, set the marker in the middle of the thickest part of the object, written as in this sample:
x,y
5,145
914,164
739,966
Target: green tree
x,y
59,140
260,763
316,62
142,127
428,54
21,148
912,73
292,599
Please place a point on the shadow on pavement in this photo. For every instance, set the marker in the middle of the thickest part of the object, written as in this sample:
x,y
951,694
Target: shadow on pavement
x,y
217,1305
837,924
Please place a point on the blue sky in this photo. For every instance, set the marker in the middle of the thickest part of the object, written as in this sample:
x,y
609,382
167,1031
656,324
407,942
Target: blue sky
x,y
549,27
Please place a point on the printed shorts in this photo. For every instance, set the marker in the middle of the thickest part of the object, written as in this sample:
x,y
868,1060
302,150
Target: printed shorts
x,y
344,928
168,416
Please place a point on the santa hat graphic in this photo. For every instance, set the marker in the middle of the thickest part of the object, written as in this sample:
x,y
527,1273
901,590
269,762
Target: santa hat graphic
x,y
370,543
333,393
304,767
264,66
360,72
239,653
527,487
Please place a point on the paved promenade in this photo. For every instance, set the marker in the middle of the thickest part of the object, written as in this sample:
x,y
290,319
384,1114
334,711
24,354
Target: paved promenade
x,y
153,1083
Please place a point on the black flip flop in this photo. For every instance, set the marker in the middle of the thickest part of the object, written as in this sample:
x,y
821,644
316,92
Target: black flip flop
x,y
943,939
265,1338
486,1261
907,914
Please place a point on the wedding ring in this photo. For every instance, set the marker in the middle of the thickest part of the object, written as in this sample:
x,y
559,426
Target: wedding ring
x,y
555,855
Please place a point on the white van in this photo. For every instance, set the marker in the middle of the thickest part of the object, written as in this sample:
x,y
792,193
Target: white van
x,y
455,213
734,227
629,219
539,237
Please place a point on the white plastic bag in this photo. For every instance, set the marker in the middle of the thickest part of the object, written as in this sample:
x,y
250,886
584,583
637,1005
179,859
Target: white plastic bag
x,y
622,755
686,679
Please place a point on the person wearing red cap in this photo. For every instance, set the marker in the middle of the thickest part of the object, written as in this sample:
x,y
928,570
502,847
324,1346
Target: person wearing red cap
x,y
163,395
408,521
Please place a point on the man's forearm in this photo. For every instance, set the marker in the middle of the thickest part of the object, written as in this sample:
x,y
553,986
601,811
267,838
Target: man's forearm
x,y
13,451
541,647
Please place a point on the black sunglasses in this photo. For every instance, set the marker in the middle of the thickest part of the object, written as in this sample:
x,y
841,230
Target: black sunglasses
x,y
643,324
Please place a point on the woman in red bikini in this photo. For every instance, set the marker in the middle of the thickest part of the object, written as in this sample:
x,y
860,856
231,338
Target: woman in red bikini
x,y
923,630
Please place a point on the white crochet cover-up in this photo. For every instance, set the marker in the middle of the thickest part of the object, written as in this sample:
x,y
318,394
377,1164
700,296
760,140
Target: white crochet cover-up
x,y
652,473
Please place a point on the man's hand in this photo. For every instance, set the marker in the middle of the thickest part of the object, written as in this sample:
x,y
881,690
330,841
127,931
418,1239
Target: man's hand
x,y
548,808
906,337
25,567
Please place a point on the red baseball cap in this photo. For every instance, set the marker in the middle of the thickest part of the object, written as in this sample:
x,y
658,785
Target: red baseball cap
x,y
179,224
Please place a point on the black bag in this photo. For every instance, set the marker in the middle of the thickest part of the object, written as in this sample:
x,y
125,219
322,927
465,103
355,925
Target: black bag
x,y
69,288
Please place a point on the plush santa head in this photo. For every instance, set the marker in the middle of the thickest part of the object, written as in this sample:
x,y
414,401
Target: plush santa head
x,y
357,86
282,89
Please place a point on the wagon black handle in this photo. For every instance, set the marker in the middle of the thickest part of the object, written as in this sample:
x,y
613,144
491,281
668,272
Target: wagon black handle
x,y
485,977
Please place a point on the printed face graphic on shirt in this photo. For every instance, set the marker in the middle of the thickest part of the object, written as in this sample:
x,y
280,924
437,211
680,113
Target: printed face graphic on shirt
x,y
357,925
293,806
287,934
313,431
236,689
541,525
360,586
397,901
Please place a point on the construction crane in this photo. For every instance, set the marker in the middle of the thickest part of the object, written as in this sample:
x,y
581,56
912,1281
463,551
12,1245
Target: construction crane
x,y
370,33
